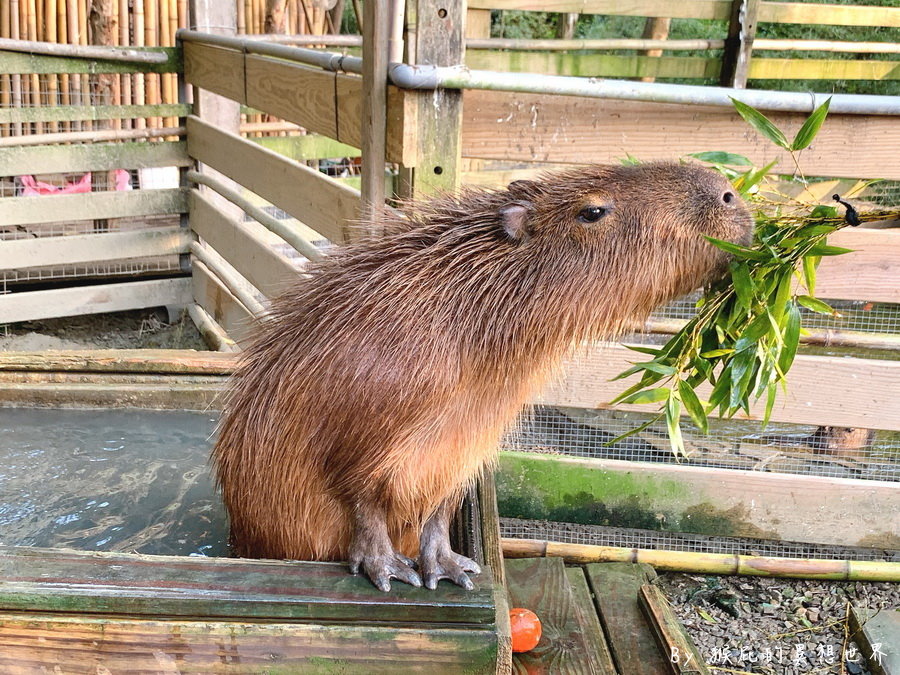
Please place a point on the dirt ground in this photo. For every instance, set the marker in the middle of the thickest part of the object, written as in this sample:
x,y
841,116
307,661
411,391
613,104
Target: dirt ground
x,y
138,329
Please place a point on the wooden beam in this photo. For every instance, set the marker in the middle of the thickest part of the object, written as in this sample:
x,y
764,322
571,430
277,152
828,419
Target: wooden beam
x,y
91,206
700,500
739,43
824,69
20,254
831,15
308,146
91,112
593,65
246,248
91,157
154,361
822,390
687,9
215,69
320,202
157,392
39,642
375,29
565,129
869,273
100,298
212,295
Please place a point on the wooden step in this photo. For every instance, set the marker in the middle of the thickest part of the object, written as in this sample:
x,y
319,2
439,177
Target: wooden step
x,y
877,632
568,643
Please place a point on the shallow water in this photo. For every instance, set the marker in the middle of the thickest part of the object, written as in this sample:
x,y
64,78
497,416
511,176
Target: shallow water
x,y
109,480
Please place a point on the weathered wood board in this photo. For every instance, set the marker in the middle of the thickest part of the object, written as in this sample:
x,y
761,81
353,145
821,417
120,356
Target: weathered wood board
x,y
158,361
221,304
40,159
878,635
568,129
91,206
701,500
616,587
310,196
589,623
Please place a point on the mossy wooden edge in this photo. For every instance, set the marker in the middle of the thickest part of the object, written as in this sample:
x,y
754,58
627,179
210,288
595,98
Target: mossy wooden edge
x,y
682,654
700,500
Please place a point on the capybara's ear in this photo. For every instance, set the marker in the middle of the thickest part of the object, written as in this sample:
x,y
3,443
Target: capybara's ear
x,y
515,218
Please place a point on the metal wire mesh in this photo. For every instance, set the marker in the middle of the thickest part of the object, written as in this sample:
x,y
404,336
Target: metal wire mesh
x,y
598,535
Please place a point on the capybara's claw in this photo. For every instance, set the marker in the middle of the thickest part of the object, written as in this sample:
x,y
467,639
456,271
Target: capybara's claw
x,y
382,568
448,565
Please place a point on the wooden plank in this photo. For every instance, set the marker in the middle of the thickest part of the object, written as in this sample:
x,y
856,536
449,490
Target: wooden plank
x,y
96,299
300,94
323,204
212,295
20,62
831,15
877,632
822,390
348,110
823,69
309,146
215,69
87,248
402,125
701,500
680,652
589,623
91,206
91,391
154,361
91,112
616,587
35,642
566,129
592,65
869,273
244,247
91,157
540,584
687,9
35,579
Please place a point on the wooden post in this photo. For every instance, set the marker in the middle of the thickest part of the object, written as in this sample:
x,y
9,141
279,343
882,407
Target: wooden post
x,y
434,35
739,43
656,28
565,27
375,62
104,30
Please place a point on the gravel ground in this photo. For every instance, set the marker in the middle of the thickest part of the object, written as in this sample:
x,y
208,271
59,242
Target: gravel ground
x,y
774,626
139,329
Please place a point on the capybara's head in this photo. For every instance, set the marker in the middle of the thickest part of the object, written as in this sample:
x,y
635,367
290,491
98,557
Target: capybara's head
x,y
649,218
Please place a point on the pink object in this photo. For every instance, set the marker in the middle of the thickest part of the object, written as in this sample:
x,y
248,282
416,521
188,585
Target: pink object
x,y
33,188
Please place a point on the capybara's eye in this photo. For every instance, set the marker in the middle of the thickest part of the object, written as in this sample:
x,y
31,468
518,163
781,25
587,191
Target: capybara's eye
x,y
591,214
728,197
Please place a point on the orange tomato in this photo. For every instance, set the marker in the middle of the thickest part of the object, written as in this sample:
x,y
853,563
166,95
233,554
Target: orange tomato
x,y
526,629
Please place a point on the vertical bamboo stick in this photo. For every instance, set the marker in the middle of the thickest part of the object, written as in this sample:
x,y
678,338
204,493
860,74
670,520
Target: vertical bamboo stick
x,y
62,33
83,40
5,80
151,39
49,26
72,39
140,92
242,17
31,34
125,40
16,78
162,10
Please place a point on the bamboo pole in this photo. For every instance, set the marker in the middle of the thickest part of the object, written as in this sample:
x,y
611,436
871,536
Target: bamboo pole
x,y
5,79
16,78
83,41
50,35
92,136
125,41
163,40
139,92
151,39
707,563
233,281
62,33
106,53
31,34
213,334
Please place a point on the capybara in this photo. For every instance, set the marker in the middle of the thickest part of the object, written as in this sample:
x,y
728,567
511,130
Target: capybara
x,y
380,384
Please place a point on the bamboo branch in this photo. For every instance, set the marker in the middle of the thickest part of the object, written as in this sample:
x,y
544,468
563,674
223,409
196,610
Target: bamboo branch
x,y
82,51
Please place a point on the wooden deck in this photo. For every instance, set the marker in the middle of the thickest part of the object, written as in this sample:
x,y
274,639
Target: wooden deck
x,y
598,619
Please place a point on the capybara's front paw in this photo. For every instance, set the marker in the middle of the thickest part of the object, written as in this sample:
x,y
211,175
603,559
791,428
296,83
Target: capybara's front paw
x,y
445,564
381,568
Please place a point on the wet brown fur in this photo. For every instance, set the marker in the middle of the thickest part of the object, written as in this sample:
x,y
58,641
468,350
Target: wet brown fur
x,y
388,376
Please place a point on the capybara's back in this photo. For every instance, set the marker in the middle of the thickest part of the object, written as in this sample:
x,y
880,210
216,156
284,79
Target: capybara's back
x,y
382,381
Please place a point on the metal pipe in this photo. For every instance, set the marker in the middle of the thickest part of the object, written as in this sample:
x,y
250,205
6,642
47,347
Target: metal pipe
x,y
83,51
460,77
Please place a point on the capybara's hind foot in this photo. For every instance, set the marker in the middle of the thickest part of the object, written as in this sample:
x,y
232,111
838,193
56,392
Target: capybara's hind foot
x,y
381,568
445,564
372,553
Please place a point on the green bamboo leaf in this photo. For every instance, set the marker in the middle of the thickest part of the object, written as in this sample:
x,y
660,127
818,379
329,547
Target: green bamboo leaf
x,y
814,230
752,178
752,333
643,349
816,305
810,263
655,367
743,283
693,406
772,390
628,373
647,396
791,337
714,353
823,249
782,295
673,422
736,250
810,128
761,123
718,157
824,211
634,431
721,389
